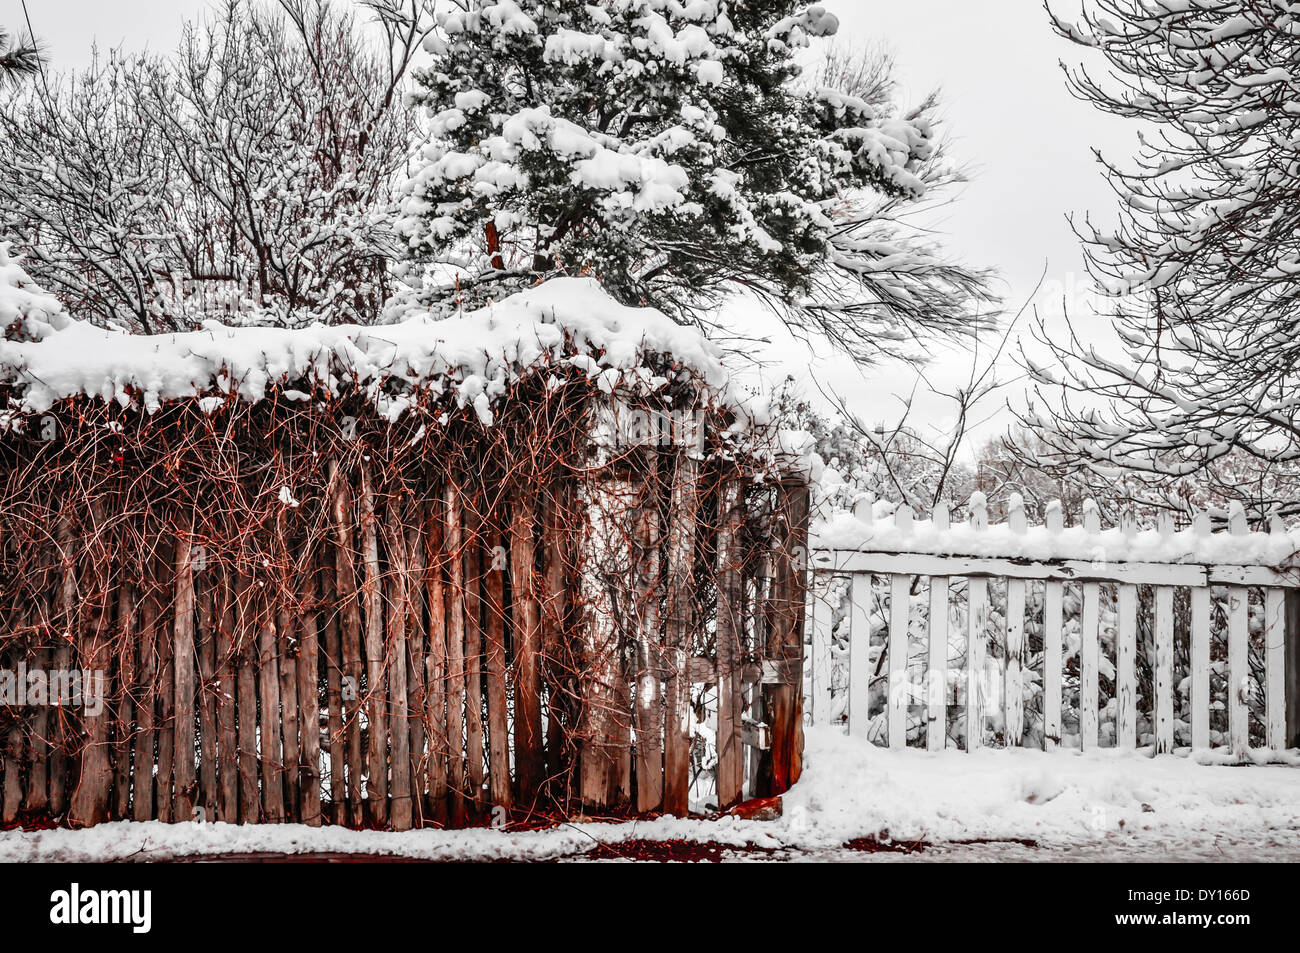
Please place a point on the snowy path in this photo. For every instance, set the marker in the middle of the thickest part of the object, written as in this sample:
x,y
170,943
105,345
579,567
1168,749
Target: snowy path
x,y
1073,807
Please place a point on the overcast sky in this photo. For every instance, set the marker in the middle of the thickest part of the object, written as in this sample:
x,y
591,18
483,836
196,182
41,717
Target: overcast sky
x,y
1006,108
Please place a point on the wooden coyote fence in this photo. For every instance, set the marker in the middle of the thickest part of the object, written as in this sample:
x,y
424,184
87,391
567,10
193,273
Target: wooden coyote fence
x,y
1019,635
297,610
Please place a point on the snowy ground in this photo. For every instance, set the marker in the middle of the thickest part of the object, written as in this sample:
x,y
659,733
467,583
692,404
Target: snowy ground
x,y
1099,806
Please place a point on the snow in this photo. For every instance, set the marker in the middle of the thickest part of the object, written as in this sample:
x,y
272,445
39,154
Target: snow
x,y
473,357
843,530
1104,804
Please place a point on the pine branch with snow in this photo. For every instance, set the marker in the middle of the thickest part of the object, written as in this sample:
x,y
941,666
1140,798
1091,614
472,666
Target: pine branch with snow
x,y
677,153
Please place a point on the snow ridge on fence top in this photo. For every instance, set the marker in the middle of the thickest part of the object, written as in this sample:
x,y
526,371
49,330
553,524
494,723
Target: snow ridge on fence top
x,y
472,357
880,528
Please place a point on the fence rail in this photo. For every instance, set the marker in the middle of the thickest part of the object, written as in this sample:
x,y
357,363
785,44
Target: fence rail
x,y
1182,607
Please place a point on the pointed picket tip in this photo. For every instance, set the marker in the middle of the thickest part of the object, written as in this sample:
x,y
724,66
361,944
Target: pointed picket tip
x,y
1091,516
978,507
1055,519
1201,523
903,518
1016,514
1236,518
864,509
942,516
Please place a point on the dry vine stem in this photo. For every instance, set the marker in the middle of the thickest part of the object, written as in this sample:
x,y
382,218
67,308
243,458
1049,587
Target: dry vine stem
x,y
395,624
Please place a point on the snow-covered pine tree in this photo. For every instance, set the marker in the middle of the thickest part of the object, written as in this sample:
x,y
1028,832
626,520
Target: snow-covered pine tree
x,y
1204,264
673,150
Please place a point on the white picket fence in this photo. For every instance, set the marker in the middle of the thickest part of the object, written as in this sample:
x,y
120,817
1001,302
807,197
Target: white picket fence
x,y
902,549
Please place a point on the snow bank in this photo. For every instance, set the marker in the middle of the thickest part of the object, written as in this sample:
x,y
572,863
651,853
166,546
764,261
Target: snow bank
x,y
1105,800
472,357
843,530
26,312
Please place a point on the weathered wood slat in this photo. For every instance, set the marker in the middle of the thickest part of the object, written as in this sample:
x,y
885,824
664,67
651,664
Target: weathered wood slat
x,y
1238,669
417,653
1200,668
900,594
435,668
649,723
730,635
860,655
454,550
936,703
529,747
1053,663
1013,680
784,703
123,712
976,660
821,649
1275,667
307,690
475,771
346,590
1089,657
680,614
402,809
166,685
247,641
271,754
498,728
184,672
206,656
376,696
225,690
1164,674
287,649
332,651
1126,667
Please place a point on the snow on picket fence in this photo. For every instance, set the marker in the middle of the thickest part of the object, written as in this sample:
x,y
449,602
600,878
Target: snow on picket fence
x,y
1115,563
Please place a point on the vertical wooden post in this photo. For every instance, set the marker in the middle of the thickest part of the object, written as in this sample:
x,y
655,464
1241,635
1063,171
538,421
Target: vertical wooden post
x,y
473,561
529,755
1200,652
455,554
402,811
268,684
286,641
308,692
1292,680
494,664
435,665
1089,641
183,668
1053,598
1164,674
649,698
860,637
417,653
206,655
1126,654
333,648
345,582
936,703
225,688
783,702
246,641
680,612
554,620
124,714
730,644
1015,637
1238,650
376,659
